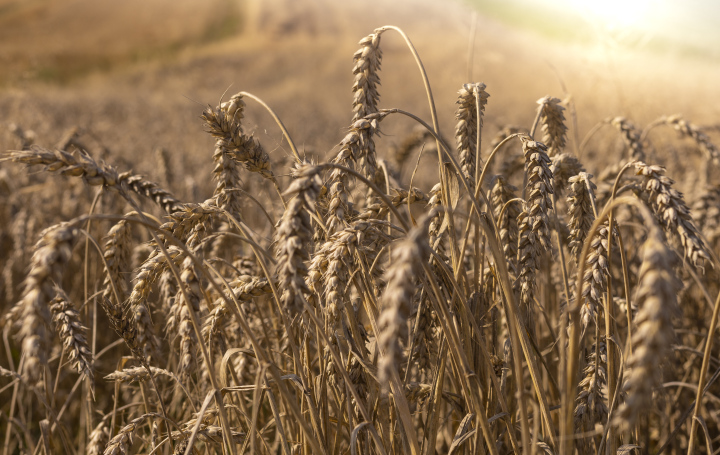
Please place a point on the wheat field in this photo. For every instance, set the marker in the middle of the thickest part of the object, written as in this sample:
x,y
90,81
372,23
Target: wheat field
x,y
541,286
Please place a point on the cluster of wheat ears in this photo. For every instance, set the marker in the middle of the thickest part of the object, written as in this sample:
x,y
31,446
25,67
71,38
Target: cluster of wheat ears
x,y
519,306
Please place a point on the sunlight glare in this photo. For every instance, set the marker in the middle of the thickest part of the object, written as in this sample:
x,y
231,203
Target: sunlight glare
x,y
614,14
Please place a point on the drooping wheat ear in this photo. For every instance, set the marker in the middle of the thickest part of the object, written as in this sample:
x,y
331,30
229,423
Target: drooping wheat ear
x,y
630,136
52,254
226,172
580,210
152,191
533,221
233,143
658,287
98,438
687,129
466,130
123,441
396,302
366,68
294,237
117,256
72,334
358,378
137,374
124,325
590,404
64,163
94,173
669,207
162,156
706,212
563,167
506,215
594,282
553,124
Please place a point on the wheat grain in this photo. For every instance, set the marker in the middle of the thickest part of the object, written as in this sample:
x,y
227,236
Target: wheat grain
x,y
553,124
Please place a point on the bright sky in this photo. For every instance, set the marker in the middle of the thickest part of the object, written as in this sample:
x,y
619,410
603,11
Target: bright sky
x,y
694,23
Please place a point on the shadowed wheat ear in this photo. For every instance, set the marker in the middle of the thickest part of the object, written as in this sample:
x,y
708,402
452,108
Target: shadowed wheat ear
x,y
468,130
52,254
124,325
551,117
581,211
506,209
669,207
117,258
597,272
657,291
533,221
397,301
294,237
72,334
98,438
590,404
123,441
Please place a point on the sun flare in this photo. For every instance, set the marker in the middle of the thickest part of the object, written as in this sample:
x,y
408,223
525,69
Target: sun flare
x,y
614,14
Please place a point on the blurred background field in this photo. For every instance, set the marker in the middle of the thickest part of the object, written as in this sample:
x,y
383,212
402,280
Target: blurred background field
x,y
135,75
